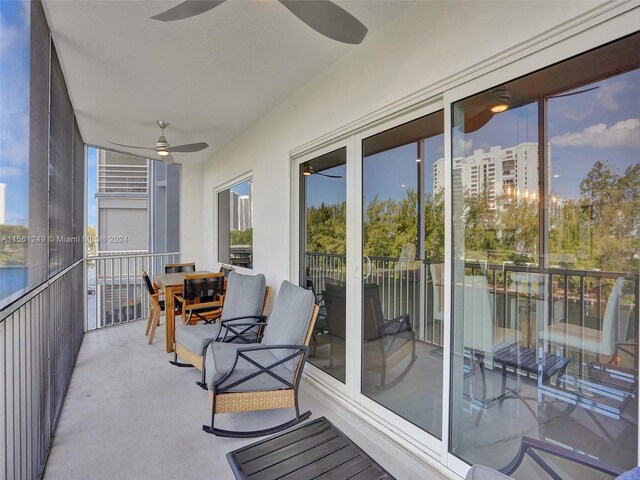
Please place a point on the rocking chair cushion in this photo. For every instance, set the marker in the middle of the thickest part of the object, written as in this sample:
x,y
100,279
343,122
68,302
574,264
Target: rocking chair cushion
x,y
244,295
219,361
196,337
289,320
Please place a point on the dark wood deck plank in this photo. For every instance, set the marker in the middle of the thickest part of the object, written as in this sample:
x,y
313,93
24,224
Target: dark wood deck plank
x,y
268,446
299,461
325,464
371,473
316,450
300,447
347,469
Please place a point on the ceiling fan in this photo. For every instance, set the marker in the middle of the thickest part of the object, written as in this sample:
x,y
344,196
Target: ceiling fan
x,y
308,170
164,149
323,16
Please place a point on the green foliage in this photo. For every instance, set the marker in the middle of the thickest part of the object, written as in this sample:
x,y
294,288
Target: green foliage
x,y
327,228
242,237
611,204
13,245
390,224
600,231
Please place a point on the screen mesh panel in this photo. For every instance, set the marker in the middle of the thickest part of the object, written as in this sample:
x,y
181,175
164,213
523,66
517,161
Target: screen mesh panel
x,y
60,171
78,192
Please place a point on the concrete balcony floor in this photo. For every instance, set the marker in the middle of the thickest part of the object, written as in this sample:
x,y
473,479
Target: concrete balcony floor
x,y
129,414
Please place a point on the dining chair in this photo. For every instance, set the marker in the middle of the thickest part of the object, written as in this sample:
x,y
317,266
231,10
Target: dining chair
x,y
180,267
156,307
202,297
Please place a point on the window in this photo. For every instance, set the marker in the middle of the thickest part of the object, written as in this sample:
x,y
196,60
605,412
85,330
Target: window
x,y
545,267
235,224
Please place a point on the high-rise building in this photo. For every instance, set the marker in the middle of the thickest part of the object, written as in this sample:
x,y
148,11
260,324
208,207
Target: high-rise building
x,y
498,171
3,203
234,211
244,212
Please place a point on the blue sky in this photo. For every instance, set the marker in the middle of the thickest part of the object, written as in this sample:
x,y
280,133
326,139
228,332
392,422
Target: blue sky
x,y
603,124
92,165
14,108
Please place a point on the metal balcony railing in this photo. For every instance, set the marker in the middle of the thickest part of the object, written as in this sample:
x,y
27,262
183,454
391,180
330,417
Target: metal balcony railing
x,y
116,290
521,298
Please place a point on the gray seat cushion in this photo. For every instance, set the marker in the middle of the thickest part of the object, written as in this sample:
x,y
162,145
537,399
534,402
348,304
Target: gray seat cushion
x,y
196,337
244,295
289,321
480,472
219,360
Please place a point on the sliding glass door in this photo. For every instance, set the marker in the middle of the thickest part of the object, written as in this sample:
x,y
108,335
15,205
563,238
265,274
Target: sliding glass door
x,y
545,184
403,254
323,264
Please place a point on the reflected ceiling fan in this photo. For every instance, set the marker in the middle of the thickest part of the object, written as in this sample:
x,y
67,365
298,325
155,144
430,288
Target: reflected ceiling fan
x,y
323,16
308,170
164,149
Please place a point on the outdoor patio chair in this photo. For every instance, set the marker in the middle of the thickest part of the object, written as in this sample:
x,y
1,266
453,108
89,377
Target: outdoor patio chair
x,y
387,342
265,376
542,454
335,322
226,269
202,297
242,318
156,307
482,337
179,267
600,342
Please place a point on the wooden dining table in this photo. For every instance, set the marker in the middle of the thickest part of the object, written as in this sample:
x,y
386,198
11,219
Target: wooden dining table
x,y
171,284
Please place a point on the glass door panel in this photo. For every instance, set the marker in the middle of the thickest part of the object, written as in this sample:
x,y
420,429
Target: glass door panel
x,y
401,316
323,247
545,265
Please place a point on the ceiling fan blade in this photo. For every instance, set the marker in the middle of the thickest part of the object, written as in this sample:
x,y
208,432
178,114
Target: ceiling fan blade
x,y
325,175
329,19
189,147
187,9
132,146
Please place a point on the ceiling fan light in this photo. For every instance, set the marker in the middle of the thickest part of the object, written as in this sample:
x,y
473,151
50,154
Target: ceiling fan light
x,y
163,153
501,107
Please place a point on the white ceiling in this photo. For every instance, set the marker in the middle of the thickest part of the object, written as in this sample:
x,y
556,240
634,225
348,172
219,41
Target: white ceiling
x,y
210,76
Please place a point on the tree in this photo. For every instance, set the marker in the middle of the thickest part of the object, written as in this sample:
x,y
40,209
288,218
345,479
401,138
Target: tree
x,y
242,237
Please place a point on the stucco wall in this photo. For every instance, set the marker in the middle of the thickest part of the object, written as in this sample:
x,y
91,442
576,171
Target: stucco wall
x,y
423,49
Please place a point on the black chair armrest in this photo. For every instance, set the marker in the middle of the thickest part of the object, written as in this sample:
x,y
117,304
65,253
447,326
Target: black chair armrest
x,y
530,446
399,324
245,354
259,317
237,330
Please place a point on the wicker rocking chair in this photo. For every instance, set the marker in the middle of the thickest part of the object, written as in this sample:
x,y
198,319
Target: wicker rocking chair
x,y
264,376
242,320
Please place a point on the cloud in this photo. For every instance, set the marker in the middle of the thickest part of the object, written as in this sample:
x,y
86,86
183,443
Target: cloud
x,y
462,147
9,173
625,133
9,35
607,92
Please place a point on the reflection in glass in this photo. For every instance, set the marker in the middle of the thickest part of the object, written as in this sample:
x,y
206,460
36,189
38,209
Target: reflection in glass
x,y
545,266
323,243
402,295
235,225
19,269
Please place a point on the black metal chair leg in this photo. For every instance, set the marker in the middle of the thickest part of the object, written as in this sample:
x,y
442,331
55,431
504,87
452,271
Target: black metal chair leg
x,y
255,433
177,363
